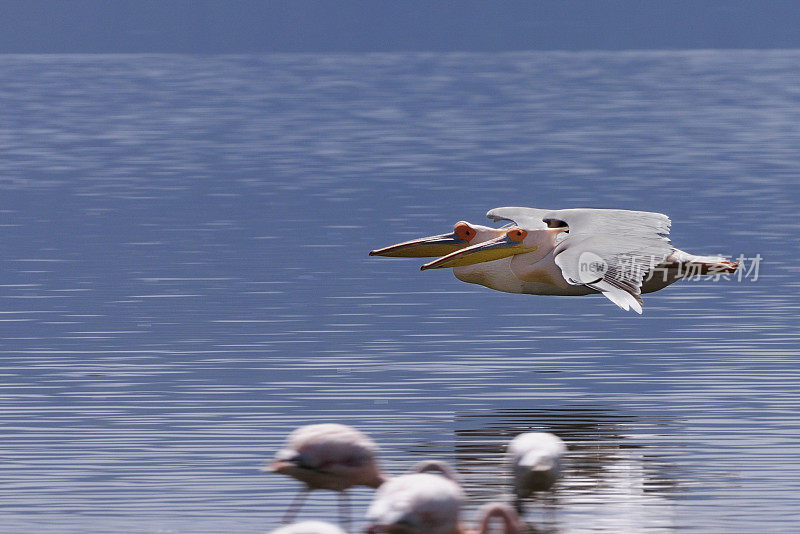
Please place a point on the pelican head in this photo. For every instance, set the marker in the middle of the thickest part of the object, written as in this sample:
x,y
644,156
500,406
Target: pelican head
x,y
511,242
464,234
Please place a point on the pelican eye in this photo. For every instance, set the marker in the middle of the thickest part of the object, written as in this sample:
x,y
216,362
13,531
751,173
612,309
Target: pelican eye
x,y
463,231
517,235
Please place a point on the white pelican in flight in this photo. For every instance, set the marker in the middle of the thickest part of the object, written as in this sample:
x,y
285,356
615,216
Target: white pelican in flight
x,y
618,253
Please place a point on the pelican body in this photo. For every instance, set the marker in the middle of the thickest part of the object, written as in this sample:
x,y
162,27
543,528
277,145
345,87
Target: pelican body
x,y
618,253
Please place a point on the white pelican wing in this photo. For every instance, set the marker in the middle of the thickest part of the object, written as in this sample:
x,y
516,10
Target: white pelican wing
x,y
591,221
611,250
527,218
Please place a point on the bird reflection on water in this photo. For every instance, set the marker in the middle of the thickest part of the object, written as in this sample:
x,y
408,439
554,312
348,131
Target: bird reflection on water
x,y
606,473
606,468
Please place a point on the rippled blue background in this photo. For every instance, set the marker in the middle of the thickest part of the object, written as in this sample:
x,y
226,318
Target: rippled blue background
x,y
185,280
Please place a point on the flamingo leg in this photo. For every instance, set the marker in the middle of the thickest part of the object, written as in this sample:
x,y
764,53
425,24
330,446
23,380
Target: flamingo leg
x,y
297,503
550,505
518,505
344,511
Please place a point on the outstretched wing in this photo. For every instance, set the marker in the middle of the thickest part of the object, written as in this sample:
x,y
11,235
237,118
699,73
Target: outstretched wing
x,y
527,218
611,250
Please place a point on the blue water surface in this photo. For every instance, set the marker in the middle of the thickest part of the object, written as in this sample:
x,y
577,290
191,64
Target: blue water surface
x,y
185,280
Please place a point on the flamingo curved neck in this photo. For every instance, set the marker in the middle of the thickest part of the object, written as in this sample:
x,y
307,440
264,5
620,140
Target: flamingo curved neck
x,y
502,512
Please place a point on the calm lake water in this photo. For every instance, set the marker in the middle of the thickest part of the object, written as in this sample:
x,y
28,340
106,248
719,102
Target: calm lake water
x,y
185,280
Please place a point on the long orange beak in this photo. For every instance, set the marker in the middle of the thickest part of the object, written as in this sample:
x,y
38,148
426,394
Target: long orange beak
x,y
426,247
494,249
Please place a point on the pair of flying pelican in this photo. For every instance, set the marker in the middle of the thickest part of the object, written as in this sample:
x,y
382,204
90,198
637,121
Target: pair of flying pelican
x,y
618,253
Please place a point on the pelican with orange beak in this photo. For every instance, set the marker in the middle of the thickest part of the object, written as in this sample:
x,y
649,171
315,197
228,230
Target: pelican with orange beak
x,y
463,235
618,253
488,268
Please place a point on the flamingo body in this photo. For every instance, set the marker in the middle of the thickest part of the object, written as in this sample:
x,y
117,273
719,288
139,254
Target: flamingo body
x,y
535,462
419,503
327,456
